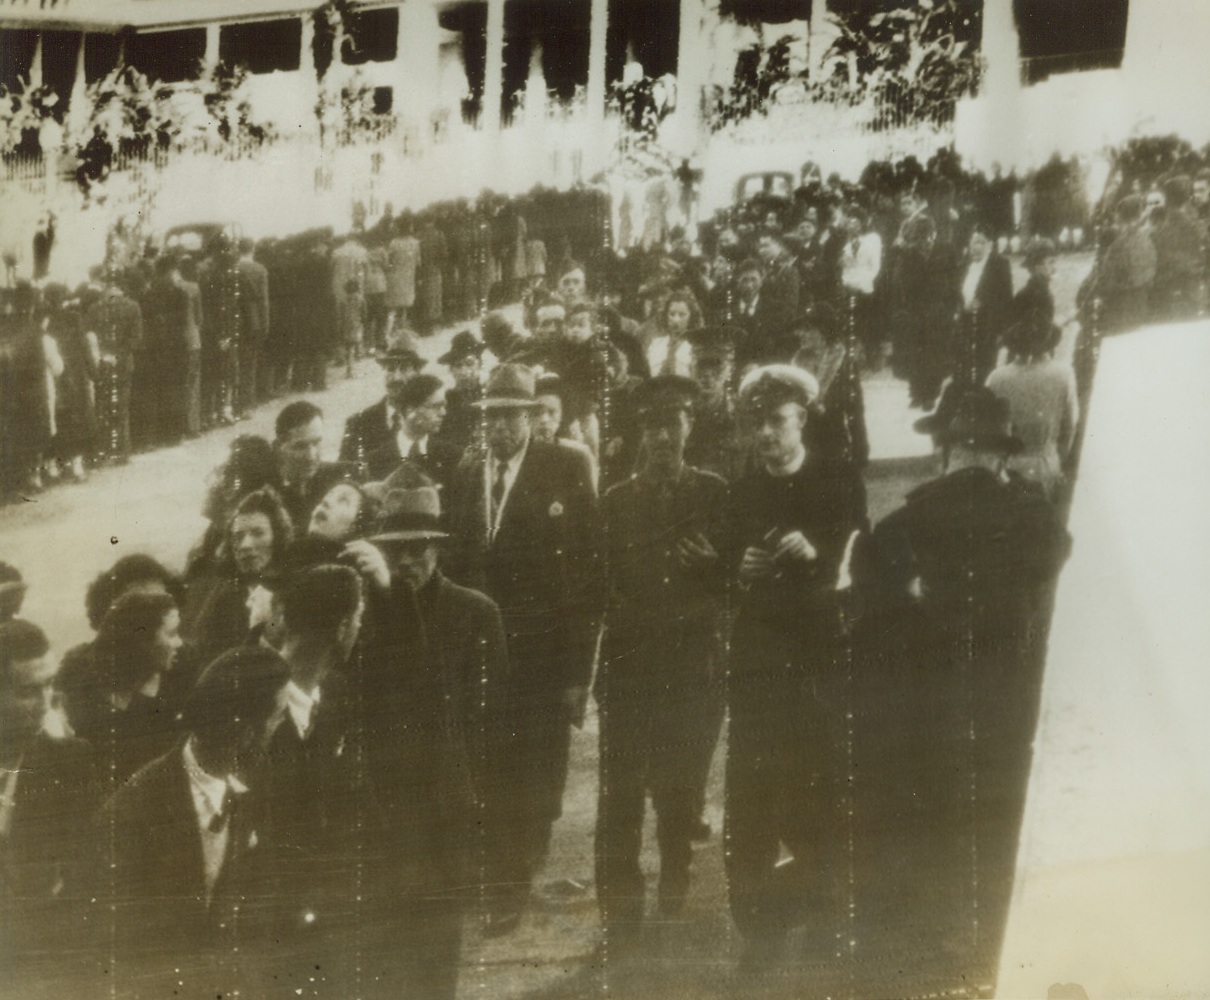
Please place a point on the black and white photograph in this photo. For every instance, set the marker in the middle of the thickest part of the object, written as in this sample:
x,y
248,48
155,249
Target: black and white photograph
x,y
604,499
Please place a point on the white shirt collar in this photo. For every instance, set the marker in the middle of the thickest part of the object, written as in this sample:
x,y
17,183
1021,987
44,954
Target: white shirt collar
x,y
301,705
209,792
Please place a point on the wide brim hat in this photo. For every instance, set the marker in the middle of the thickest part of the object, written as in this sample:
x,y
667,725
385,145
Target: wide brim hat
x,y
510,386
410,516
974,416
464,345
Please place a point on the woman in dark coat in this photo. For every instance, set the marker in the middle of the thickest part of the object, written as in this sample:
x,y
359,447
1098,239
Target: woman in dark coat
x,y
127,709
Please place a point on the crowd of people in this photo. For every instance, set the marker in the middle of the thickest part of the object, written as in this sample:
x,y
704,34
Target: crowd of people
x,y
350,724
168,339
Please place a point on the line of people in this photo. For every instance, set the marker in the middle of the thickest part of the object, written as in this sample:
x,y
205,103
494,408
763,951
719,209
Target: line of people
x,y
351,751
347,725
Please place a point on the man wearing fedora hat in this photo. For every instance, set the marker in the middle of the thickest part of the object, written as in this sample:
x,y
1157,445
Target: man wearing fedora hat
x,y
966,568
524,516
375,427
464,359
432,679
659,658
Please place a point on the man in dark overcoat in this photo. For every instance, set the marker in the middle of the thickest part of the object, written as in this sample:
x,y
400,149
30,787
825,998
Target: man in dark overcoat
x,y
420,727
791,521
466,641
661,649
963,577
524,516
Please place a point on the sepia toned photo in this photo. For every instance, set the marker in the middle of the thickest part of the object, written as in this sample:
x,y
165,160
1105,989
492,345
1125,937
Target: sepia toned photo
x,y
604,499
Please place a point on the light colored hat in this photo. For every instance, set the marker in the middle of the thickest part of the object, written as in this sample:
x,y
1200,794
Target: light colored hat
x,y
777,384
509,386
410,516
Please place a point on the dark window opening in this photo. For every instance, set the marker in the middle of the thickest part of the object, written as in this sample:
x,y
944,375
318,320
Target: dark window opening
x,y
16,57
777,11
60,50
561,27
262,46
168,56
470,20
384,100
1070,36
101,54
373,36
650,29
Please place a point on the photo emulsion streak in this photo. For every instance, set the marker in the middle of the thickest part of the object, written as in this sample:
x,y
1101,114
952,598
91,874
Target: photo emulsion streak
x,y
568,499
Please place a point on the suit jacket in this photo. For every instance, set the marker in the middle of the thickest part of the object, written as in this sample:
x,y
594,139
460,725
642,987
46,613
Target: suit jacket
x,y
438,463
541,565
151,870
318,808
366,432
44,875
767,332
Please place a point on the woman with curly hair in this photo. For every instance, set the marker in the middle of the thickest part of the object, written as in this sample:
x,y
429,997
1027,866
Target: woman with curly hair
x,y
253,554
127,708
137,573
668,349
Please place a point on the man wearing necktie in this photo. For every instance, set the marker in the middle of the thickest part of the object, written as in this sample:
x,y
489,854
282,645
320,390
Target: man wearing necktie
x,y
525,519
182,881
417,415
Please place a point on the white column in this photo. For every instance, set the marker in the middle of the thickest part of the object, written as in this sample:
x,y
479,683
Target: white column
x,y
35,66
77,106
598,26
1001,50
307,90
493,76
821,33
694,69
210,56
416,68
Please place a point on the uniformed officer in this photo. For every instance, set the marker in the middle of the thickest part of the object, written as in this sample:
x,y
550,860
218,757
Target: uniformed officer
x,y
791,522
666,590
